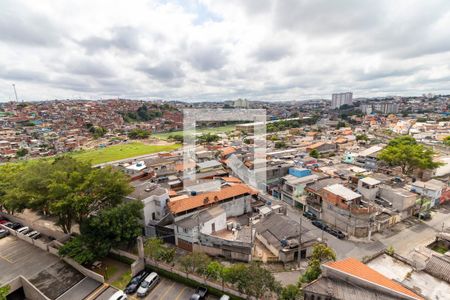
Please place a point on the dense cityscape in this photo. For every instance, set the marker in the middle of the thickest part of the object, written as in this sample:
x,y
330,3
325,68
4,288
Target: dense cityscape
x,y
168,150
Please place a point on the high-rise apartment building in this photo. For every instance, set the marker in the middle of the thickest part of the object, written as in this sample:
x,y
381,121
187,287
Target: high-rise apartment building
x,y
339,99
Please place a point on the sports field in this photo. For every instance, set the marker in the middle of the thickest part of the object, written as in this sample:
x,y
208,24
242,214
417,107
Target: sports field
x,y
122,151
220,129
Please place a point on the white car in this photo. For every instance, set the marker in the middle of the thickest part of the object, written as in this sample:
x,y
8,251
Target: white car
x,y
34,234
149,283
23,230
119,295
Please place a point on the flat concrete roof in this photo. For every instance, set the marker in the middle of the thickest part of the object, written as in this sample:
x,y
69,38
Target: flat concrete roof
x,y
51,275
17,257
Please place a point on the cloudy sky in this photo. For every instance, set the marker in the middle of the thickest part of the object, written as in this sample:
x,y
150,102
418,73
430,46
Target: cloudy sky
x,y
214,50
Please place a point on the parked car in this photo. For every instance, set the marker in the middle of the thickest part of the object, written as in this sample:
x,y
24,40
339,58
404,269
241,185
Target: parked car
x,y
4,221
14,226
200,293
424,215
336,232
135,282
309,215
149,283
23,230
34,234
3,233
225,297
7,224
119,295
320,224
383,202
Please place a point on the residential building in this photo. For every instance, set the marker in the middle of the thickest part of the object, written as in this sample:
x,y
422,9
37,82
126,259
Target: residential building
x,y
350,279
293,189
154,198
339,99
345,210
399,199
369,188
431,189
281,235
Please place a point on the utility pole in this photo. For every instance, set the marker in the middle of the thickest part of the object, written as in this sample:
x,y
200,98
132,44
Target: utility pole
x,y
15,92
299,257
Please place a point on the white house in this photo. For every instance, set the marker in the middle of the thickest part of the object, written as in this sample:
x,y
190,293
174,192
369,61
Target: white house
x,y
432,189
154,198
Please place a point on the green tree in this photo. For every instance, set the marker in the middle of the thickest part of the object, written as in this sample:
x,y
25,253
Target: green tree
x,y
314,153
21,152
405,152
208,137
4,291
340,124
321,253
290,292
10,195
362,137
99,233
252,279
195,262
138,134
176,137
446,141
155,249
71,189
214,270
97,131
280,144
82,251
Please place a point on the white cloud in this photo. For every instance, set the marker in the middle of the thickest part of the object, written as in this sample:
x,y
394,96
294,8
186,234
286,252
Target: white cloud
x,y
222,49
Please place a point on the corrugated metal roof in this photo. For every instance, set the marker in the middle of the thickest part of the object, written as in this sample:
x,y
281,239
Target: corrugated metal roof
x,y
342,191
439,267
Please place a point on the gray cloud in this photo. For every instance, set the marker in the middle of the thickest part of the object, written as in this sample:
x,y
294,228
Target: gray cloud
x,y
19,25
89,67
122,37
272,52
164,72
207,57
22,75
326,17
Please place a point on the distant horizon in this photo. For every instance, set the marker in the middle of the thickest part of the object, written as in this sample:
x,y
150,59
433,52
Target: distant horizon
x,y
225,100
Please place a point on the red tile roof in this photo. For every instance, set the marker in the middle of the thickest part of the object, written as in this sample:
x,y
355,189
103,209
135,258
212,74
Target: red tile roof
x,y
355,268
209,198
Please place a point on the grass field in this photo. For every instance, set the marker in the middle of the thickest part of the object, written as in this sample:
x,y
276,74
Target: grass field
x,y
221,129
122,151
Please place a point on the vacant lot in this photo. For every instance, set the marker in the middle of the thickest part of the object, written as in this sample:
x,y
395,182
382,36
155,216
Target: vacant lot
x,y
122,151
221,129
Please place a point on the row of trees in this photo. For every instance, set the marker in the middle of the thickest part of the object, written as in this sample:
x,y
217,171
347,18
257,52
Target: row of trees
x,y
66,188
250,279
287,124
138,134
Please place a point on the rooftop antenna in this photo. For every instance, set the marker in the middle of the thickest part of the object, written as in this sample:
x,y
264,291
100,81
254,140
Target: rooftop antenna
x,y
15,92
